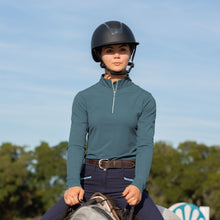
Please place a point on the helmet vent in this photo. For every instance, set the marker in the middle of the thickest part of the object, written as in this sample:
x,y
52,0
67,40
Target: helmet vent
x,y
115,30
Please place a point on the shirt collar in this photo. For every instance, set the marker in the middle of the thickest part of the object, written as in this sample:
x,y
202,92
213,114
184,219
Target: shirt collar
x,y
122,83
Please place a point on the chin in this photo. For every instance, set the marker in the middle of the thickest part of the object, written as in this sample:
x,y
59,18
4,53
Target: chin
x,y
117,69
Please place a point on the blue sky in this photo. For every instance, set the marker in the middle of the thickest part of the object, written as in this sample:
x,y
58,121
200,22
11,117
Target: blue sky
x,y
45,60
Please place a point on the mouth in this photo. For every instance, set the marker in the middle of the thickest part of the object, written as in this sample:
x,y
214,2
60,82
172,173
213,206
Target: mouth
x,y
117,63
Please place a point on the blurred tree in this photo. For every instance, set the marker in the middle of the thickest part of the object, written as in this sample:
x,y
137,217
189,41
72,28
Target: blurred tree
x,y
211,186
15,194
49,168
165,175
31,182
194,157
190,173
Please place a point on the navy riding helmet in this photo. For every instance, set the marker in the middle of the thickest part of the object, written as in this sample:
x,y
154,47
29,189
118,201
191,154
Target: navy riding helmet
x,y
109,33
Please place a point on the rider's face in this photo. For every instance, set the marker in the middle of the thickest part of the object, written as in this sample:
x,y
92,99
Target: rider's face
x,y
116,57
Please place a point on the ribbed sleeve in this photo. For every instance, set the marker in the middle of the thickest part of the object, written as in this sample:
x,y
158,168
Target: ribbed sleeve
x,y
145,142
77,141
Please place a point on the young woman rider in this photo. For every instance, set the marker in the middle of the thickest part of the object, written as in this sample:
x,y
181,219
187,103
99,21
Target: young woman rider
x,y
117,118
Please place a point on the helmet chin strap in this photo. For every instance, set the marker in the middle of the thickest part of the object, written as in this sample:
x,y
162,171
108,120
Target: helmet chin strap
x,y
123,72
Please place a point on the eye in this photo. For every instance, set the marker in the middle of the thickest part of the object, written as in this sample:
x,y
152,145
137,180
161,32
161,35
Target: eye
x,y
123,49
109,51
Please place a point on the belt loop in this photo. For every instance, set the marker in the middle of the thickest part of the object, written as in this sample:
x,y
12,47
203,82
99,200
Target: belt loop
x,y
122,169
122,164
95,165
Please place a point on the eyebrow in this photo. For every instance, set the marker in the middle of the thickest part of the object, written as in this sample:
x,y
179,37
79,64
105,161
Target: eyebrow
x,y
106,47
123,45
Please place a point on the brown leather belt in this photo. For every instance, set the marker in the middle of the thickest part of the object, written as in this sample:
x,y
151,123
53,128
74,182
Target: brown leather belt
x,y
111,164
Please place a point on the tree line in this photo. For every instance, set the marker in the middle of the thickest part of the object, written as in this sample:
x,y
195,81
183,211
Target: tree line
x,y
31,181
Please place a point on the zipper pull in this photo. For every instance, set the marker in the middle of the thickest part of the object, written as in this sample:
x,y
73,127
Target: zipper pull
x,y
114,94
113,102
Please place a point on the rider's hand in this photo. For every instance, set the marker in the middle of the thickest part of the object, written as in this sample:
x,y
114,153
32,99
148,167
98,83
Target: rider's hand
x,y
73,195
132,194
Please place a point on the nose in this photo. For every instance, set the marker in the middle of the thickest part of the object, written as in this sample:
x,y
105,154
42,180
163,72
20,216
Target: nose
x,y
116,54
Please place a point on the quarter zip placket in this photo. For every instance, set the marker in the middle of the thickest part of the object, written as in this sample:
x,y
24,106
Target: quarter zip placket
x,y
114,94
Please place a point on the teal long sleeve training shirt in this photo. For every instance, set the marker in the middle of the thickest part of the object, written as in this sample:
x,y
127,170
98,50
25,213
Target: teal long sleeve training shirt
x,y
118,121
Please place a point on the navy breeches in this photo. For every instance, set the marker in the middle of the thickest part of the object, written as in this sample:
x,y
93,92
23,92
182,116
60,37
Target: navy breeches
x,y
110,182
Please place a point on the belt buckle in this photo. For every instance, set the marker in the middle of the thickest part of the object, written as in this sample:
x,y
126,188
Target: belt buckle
x,y
100,164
